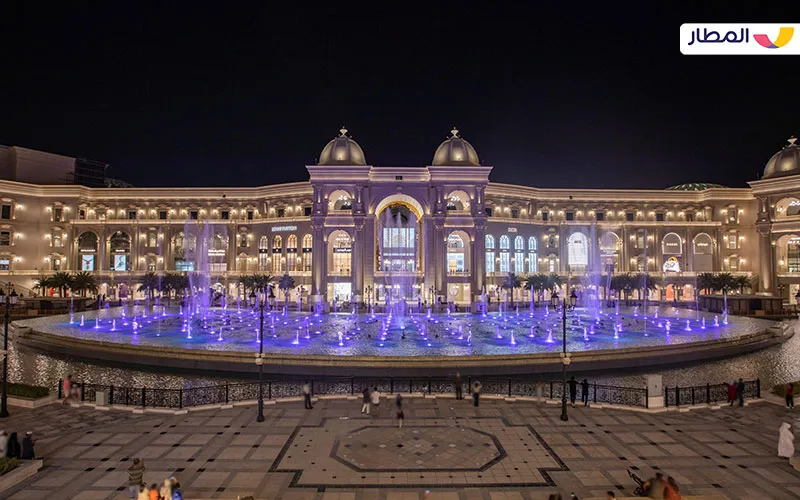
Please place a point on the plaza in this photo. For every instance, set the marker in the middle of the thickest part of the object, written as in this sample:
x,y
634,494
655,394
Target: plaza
x,y
501,450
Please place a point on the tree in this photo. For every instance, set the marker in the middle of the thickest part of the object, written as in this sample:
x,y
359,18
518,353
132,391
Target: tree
x,y
553,282
705,282
725,282
511,282
742,281
247,282
62,281
149,283
43,283
286,283
83,281
537,284
643,283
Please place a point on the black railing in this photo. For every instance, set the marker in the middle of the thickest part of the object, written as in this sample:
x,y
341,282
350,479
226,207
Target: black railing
x,y
709,393
272,389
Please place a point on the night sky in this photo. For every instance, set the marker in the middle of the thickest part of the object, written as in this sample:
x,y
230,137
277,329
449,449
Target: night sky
x,y
550,96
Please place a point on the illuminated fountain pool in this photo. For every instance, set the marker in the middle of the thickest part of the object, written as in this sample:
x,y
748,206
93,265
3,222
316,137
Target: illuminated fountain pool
x,y
512,332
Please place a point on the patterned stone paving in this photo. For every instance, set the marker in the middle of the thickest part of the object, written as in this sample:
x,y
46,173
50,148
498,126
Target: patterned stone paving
x,y
299,454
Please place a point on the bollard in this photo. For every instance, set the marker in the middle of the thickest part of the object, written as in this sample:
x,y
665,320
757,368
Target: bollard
x,y
269,389
677,396
227,394
111,395
708,394
144,397
595,392
180,398
83,392
60,389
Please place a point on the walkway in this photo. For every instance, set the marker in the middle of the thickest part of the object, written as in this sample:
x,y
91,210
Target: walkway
x,y
503,450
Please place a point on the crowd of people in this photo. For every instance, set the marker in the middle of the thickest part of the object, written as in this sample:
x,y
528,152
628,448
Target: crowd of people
x,y
10,446
170,489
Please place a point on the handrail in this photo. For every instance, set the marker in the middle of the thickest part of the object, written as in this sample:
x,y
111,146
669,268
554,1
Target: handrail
x,y
511,387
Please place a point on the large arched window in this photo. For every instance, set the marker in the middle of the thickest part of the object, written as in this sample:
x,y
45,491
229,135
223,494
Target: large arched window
x,y
519,255
307,245
455,253
578,252
342,250
120,246
87,247
291,253
609,251
489,253
703,249
277,255
671,244
263,254
533,264
505,256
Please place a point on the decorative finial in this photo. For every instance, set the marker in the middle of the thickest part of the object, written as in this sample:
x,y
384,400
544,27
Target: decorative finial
x,y
792,140
454,131
342,131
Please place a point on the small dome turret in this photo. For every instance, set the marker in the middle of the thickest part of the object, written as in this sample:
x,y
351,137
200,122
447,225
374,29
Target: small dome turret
x,y
455,151
342,151
784,162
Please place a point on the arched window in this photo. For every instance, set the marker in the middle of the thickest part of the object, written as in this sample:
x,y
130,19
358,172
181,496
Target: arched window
x,y
519,255
87,246
120,246
263,253
277,255
671,244
342,246
307,242
703,249
609,251
552,264
505,256
577,252
504,242
455,253
291,253
489,253
533,264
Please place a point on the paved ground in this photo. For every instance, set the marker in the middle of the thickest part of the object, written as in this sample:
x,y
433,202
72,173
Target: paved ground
x,y
502,450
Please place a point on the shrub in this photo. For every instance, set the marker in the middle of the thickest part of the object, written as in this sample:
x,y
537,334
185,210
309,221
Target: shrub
x,y
779,389
28,391
7,465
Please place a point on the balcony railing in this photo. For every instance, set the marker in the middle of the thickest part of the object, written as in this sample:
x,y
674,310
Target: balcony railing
x,y
459,273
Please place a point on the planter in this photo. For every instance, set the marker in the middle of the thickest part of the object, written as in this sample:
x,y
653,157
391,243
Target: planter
x,y
26,470
32,402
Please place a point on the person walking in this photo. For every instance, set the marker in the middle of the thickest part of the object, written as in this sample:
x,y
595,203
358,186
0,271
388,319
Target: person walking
x,y
28,452
176,489
786,441
671,490
135,475
610,495
789,393
732,392
740,392
153,492
13,449
398,403
573,390
307,396
585,392
66,388
365,399
539,391
476,393
144,492
3,443
654,487
375,399
166,490
459,391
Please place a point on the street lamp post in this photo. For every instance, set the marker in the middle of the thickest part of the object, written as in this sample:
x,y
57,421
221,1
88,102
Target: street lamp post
x,y
260,359
9,300
565,359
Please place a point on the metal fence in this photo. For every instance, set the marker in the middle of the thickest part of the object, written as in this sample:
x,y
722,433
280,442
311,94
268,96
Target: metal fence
x,y
272,389
709,393
510,387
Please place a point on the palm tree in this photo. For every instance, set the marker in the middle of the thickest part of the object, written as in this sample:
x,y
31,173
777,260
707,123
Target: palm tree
x,y
62,281
149,283
247,283
43,283
743,281
643,283
286,283
725,282
553,282
536,283
705,282
511,282
83,281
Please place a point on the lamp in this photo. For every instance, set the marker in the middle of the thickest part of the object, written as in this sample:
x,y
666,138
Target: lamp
x,y
9,300
573,299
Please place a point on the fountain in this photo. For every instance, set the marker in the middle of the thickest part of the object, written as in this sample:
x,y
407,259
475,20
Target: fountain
x,y
687,328
549,338
81,320
341,343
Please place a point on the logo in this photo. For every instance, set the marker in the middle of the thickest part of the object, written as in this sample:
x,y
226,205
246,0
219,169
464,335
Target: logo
x,y
784,36
707,39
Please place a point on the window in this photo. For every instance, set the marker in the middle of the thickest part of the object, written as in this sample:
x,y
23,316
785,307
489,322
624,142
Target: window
x,y
532,259
659,216
690,216
489,253
263,253
82,213
505,257
224,214
87,262
5,211
551,264
152,238
249,215
671,244
515,213
629,216
600,216
193,214
545,215
307,255
551,241
280,212
398,177
578,251
101,213
455,253
793,255
5,263
291,253
132,214
243,240
5,238
58,214
519,255
307,211
55,238
640,236
488,211
733,240
162,214
277,257
570,215
342,252
732,212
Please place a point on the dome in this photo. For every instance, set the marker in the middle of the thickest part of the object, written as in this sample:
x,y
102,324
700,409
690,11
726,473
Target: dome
x,y
695,186
784,162
455,151
342,151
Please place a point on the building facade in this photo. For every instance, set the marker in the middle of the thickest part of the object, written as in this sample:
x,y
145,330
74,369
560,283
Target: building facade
x,y
437,232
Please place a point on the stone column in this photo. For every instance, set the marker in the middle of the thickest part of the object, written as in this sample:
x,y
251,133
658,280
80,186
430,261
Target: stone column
x,y
478,263
319,264
440,256
765,260
357,272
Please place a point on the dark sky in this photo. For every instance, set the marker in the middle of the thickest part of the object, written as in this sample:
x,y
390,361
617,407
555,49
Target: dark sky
x,y
553,96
